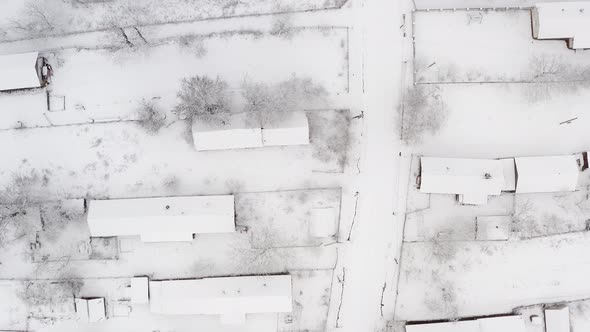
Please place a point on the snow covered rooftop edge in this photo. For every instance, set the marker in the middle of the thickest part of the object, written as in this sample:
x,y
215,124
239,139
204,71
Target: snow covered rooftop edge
x,y
162,219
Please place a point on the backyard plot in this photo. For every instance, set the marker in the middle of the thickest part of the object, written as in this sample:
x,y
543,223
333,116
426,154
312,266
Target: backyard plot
x,y
490,46
480,278
489,120
282,219
439,217
109,87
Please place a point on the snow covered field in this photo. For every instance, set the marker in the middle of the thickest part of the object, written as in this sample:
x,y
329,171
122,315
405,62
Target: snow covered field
x,y
108,85
490,46
26,19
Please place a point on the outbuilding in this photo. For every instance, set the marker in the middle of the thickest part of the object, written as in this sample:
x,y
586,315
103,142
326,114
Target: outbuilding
x,y
473,180
162,219
229,297
90,310
238,132
568,20
286,128
21,71
557,319
546,174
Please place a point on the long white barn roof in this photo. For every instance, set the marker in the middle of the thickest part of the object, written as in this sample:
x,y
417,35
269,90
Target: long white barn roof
x,y
491,324
227,296
546,174
18,71
563,20
474,179
162,219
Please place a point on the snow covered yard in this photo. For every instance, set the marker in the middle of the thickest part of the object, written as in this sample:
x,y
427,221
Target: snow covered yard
x,y
493,120
49,17
490,46
482,278
109,85
450,4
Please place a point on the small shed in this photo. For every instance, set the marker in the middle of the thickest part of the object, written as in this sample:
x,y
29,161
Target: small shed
x,y
489,324
139,293
568,20
90,310
239,132
232,298
162,219
286,128
323,222
493,228
546,174
19,71
473,180
557,319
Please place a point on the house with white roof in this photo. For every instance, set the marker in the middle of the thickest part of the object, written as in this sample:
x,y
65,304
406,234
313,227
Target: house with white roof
x,y
238,132
232,298
162,219
286,128
472,180
563,20
20,71
489,324
546,174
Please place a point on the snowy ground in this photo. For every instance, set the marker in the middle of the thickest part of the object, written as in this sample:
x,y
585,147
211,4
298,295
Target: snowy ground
x,y
450,4
26,19
445,273
490,46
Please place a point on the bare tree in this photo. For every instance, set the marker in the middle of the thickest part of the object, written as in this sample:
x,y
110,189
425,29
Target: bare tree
x,y
295,94
423,111
150,117
204,99
39,18
282,26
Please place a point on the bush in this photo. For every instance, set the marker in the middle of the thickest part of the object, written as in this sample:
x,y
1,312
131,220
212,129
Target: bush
x,y
294,94
150,117
423,111
204,99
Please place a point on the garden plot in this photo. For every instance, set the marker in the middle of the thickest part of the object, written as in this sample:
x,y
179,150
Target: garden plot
x,y
436,217
495,120
311,301
282,219
458,279
64,234
22,19
102,85
490,46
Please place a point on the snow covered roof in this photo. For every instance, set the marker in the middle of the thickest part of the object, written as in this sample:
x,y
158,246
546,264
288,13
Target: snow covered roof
x,y
287,128
230,297
162,219
473,179
557,320
493,228
563,20
90,310
546,174
491,324
139,290
239,132
18,71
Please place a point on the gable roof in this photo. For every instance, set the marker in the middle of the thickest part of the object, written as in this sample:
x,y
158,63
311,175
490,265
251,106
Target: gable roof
x,y
18,71
162,219
225,296
563,20
473,179
546,174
